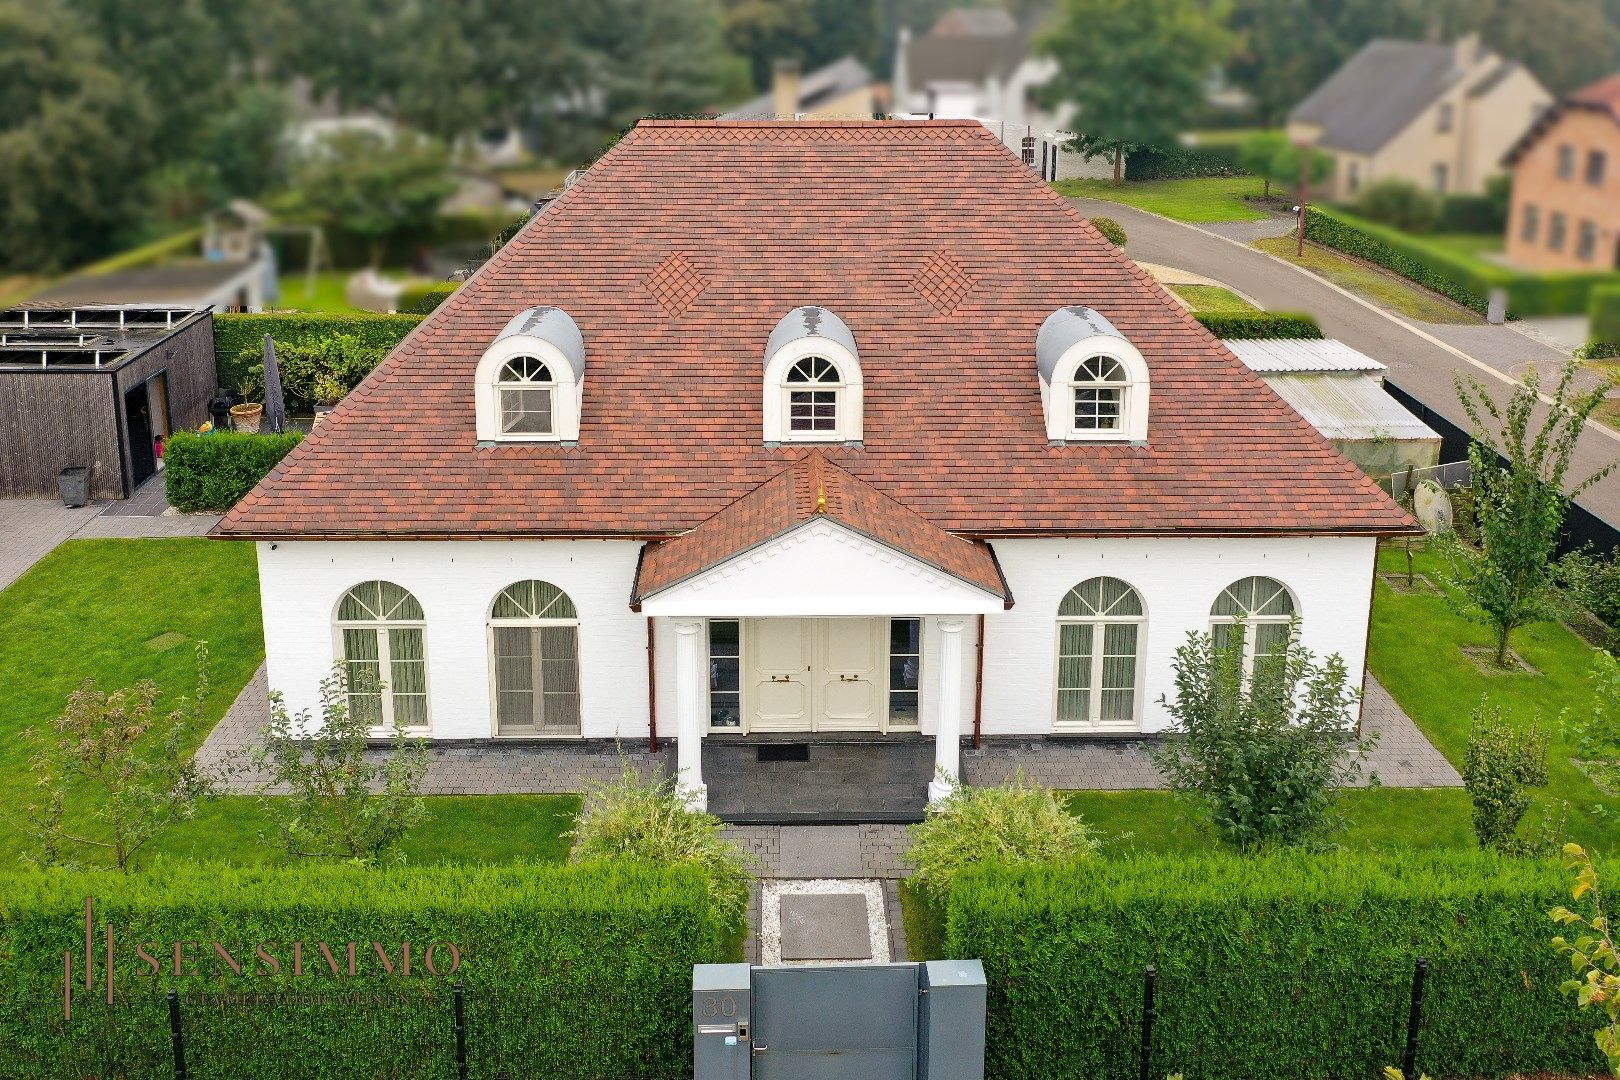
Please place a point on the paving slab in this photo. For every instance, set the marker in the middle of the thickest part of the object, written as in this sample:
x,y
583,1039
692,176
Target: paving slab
x,y
825,926
820,851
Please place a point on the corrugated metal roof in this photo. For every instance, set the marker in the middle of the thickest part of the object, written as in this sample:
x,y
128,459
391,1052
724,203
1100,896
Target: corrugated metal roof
x,y
1266,355
1347,405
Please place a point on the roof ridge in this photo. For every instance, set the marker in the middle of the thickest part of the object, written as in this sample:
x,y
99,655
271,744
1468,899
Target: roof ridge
x,y
790,125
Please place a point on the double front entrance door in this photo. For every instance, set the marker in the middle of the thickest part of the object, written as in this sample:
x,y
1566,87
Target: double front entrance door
x,y
816,674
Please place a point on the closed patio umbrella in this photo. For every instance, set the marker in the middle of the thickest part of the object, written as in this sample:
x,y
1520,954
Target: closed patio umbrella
x,y
275,409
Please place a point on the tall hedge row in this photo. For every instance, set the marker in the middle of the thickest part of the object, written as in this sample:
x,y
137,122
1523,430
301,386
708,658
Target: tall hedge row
x,y
1280,968
1467,280
423,299
1259,324
1180,163
237,333
570,971
212,472
1605,314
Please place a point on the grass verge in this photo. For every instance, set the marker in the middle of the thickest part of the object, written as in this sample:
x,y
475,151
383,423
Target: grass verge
x,y
1212,298
1384,289
1216,198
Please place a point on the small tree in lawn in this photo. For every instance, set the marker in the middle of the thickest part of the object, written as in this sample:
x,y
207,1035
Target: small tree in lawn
x,y
1270,156
1263,751
376,185
1133,70
1509,581
1592,952
133,765
1501,762
328,796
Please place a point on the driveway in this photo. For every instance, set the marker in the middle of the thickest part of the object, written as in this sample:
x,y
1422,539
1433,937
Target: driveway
x,y
1422,358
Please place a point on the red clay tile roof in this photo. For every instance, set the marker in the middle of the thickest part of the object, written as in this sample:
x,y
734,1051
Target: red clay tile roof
x,y
765,217
809,488
1602,96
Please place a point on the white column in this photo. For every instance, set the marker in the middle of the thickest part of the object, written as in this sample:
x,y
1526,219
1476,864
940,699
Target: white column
x,y
688,711
948,736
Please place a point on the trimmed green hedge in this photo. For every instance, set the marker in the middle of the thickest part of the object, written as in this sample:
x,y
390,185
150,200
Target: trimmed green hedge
x,y
1112,230
212,472
570,971
236,334
1259,324
1179,163
1605,314
422,299
1466,280
1272,968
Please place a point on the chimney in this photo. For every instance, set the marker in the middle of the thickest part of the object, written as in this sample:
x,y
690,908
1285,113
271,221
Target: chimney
x,y
1467,50
785,89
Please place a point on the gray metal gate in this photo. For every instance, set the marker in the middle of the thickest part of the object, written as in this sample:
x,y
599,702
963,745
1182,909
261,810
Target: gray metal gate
x,y
873,1021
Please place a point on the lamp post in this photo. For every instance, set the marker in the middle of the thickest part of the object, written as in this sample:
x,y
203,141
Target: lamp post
x,y
1305,146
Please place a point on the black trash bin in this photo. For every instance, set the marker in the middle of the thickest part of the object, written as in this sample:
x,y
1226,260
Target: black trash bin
x,y
73,484
219,409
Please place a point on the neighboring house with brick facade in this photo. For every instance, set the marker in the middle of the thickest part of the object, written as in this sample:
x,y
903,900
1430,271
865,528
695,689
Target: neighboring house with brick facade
x,y
817,427
1566,185
1436,115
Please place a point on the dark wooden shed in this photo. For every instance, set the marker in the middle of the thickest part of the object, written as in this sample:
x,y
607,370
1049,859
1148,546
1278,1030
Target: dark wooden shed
x,y
98,387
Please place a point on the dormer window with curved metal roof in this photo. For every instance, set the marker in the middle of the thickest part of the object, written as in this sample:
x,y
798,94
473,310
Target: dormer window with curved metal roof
x,y
1094,382
530,381
812,380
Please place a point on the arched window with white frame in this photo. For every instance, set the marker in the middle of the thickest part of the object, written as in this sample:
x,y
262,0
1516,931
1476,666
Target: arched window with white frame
x,y
1094,382
813,384
1264,608
527,393
381,636
813,389
534,660
1099,387
1100,627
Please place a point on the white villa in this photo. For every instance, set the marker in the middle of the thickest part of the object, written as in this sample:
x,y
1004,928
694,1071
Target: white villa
x,y
826,426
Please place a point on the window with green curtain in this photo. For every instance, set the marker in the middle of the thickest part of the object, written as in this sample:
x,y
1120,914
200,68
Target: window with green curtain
x,y
1099,634
384,654
535,661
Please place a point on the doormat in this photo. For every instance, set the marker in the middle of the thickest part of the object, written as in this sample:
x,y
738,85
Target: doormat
x,y
785,752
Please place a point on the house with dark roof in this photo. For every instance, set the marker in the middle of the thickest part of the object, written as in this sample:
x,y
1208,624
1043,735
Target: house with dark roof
x,y
1566,184
979,64
808,431
841,90
1437,115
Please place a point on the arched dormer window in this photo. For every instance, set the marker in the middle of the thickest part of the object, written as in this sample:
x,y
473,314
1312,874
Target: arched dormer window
x,y
1094,383
530,381
812,380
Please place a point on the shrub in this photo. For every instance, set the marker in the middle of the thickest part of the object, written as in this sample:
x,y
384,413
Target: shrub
x,y
1112,230
1259,324
1593,582
239,338
1500,763
648,821
1020,822
318,370
571,972
1270,968
423,299
1594,737
1178,163
1261,750
332,798
1594,954
1598,350
1472,214
212,472
1604,309
1399,204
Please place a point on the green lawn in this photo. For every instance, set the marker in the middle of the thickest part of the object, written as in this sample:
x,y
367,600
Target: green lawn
x,y
89,610
1218,198
1212,298
327,295
1382,288
1473,244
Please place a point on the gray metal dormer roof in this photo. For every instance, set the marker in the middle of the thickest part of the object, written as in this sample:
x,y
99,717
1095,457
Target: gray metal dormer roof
x,y
1063,329
554,326
810,321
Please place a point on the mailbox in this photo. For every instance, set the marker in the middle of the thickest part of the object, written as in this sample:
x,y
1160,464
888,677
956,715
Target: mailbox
x,y
720,1021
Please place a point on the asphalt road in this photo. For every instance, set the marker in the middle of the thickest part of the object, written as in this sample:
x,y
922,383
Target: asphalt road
x,y
1419,365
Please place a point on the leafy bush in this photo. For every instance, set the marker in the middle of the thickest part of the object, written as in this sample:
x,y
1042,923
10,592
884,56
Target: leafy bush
x,y
1400,204
239,338
1020,822
212,472
1466,280
572,973
1112,230
1604,309
1594,954
639,820
1593,582
317,370
1272,156
1178,163
1234,325
1487,213
1594,737
332,798
1598,350
1500,763
423,299
1262,750
1270,968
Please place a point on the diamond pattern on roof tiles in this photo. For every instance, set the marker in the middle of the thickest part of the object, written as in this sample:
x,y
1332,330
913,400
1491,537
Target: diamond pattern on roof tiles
x,y
676,283
943,282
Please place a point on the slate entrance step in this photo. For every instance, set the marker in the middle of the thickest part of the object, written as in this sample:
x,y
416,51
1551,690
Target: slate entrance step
x,y
848,782
825,921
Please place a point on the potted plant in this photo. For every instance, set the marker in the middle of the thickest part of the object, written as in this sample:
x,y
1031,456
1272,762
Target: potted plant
x,y
246,416
328,390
